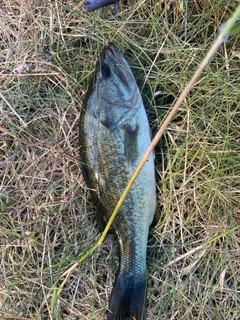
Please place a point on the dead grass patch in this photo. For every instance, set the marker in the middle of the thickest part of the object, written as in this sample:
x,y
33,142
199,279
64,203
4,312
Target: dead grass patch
x,y
47,53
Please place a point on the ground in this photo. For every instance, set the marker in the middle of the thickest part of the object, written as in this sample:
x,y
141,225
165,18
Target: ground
x,y
48,51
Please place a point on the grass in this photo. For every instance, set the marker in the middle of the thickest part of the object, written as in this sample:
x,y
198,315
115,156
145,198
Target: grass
x,y
47,54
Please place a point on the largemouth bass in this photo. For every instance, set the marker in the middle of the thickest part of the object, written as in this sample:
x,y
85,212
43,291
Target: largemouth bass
x,y
114,135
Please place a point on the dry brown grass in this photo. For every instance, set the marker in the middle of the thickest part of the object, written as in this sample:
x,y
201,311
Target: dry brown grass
x,y
47,53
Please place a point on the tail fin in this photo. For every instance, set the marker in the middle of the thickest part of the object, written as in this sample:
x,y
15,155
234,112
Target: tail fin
x,y
128,300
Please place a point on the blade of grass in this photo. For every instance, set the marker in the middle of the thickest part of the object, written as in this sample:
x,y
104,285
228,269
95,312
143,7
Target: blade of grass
x,y
16,114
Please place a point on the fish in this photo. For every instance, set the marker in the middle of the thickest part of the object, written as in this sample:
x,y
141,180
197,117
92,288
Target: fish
x,y
92,5
114,135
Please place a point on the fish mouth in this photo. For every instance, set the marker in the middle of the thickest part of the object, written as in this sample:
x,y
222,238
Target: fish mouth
x,y
113,49
112,52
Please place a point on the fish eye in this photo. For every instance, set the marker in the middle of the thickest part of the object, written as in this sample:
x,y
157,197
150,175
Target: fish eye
x,y
106,72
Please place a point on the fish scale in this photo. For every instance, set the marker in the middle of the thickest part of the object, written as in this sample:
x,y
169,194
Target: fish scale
x,y
114,135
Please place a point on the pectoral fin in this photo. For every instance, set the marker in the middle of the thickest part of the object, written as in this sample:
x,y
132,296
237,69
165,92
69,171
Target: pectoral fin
x,y
130,143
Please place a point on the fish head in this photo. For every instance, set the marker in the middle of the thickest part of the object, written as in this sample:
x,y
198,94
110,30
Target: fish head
x,y
113,96
114,78
112,66
115,73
